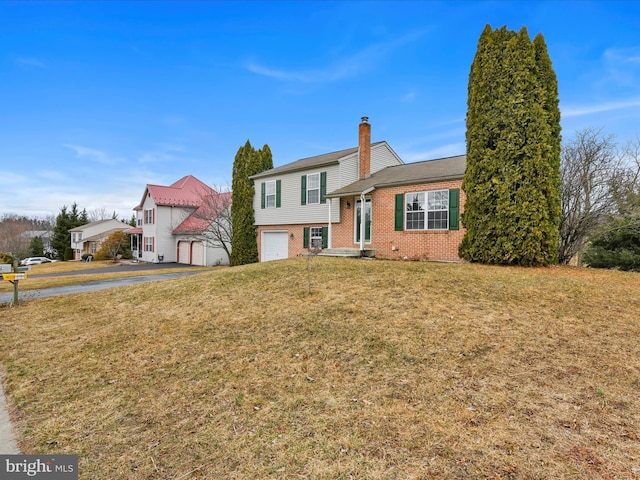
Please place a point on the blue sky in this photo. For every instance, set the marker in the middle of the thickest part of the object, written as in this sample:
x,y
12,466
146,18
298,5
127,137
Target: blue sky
x,y
100,98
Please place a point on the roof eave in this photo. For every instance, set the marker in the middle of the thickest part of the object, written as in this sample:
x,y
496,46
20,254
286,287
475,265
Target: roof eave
x,y
395,184
268,173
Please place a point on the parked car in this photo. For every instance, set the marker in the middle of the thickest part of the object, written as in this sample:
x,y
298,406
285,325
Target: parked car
x,y
34,261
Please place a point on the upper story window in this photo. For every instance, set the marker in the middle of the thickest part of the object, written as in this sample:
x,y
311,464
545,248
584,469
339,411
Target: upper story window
x,y
77,237
270,194
430,206
314,188
148,216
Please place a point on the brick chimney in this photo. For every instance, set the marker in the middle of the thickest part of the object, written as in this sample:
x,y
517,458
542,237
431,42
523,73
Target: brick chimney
x,y
364,148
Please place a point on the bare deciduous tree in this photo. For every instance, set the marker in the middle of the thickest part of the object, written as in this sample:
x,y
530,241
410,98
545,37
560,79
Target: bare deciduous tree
x,y
591,171
211,222
101,214
627,191
599,181
12,229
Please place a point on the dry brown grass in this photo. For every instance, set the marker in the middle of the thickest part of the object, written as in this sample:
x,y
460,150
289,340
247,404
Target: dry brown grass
x,y
384,370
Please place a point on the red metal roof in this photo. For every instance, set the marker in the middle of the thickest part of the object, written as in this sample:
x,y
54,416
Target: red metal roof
x,y
186,192
209,209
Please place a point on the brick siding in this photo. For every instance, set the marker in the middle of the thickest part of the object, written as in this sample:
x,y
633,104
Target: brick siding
x,y
388,243
440,245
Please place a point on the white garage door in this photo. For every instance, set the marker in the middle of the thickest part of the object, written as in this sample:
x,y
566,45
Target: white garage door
x,y
275,246
197,253
183,252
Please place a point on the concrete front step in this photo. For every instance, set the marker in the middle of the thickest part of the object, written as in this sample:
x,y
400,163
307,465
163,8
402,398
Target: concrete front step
x,y
347,252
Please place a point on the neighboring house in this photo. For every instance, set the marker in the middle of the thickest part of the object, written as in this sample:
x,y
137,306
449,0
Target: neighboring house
x,y
172,223
45,236
88,238
410,210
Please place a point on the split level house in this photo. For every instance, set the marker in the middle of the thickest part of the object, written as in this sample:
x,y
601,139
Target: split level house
x,y
88,238
362,201
175,223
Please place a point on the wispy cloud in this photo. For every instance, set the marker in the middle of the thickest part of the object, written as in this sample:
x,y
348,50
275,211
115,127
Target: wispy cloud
x,y
622,68
409,97
345,67
443,151
156,157
10,179
51,175
623,55
581,110
93,155
30,62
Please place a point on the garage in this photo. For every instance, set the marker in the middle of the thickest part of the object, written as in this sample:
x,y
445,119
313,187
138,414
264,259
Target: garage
x,y
275,245
197,253
184,252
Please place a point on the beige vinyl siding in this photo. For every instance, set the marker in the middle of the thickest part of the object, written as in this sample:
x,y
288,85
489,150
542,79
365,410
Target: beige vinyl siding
x,y
382,157
348,171
291,211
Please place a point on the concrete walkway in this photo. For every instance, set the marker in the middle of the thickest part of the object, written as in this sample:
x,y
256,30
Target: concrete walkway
x,y
8,444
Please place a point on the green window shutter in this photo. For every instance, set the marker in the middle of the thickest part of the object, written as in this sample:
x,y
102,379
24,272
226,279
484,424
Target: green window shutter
x,y
305,238
303,198
262,193
278,193
323,187
325,237
399,217
454,209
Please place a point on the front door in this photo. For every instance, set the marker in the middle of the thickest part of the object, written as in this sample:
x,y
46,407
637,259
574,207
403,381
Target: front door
x,y
367,220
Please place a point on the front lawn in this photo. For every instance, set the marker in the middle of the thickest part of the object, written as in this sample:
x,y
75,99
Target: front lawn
x,y
335,369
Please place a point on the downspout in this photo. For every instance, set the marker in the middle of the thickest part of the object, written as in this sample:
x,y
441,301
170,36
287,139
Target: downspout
x,y
362,221
329,226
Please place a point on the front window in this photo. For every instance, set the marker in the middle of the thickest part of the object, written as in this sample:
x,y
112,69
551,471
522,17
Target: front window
x,y
148,244
438,210
270,194
315,237
148,216
415,211
313,188
93,248
434,204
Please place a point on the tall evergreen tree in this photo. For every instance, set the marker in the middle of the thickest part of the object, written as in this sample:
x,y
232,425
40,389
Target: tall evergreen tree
x,y
65,221
248,161
36,247
512,213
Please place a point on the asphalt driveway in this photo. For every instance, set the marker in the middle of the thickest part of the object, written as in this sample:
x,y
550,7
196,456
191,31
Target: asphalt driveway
x,y
96,285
